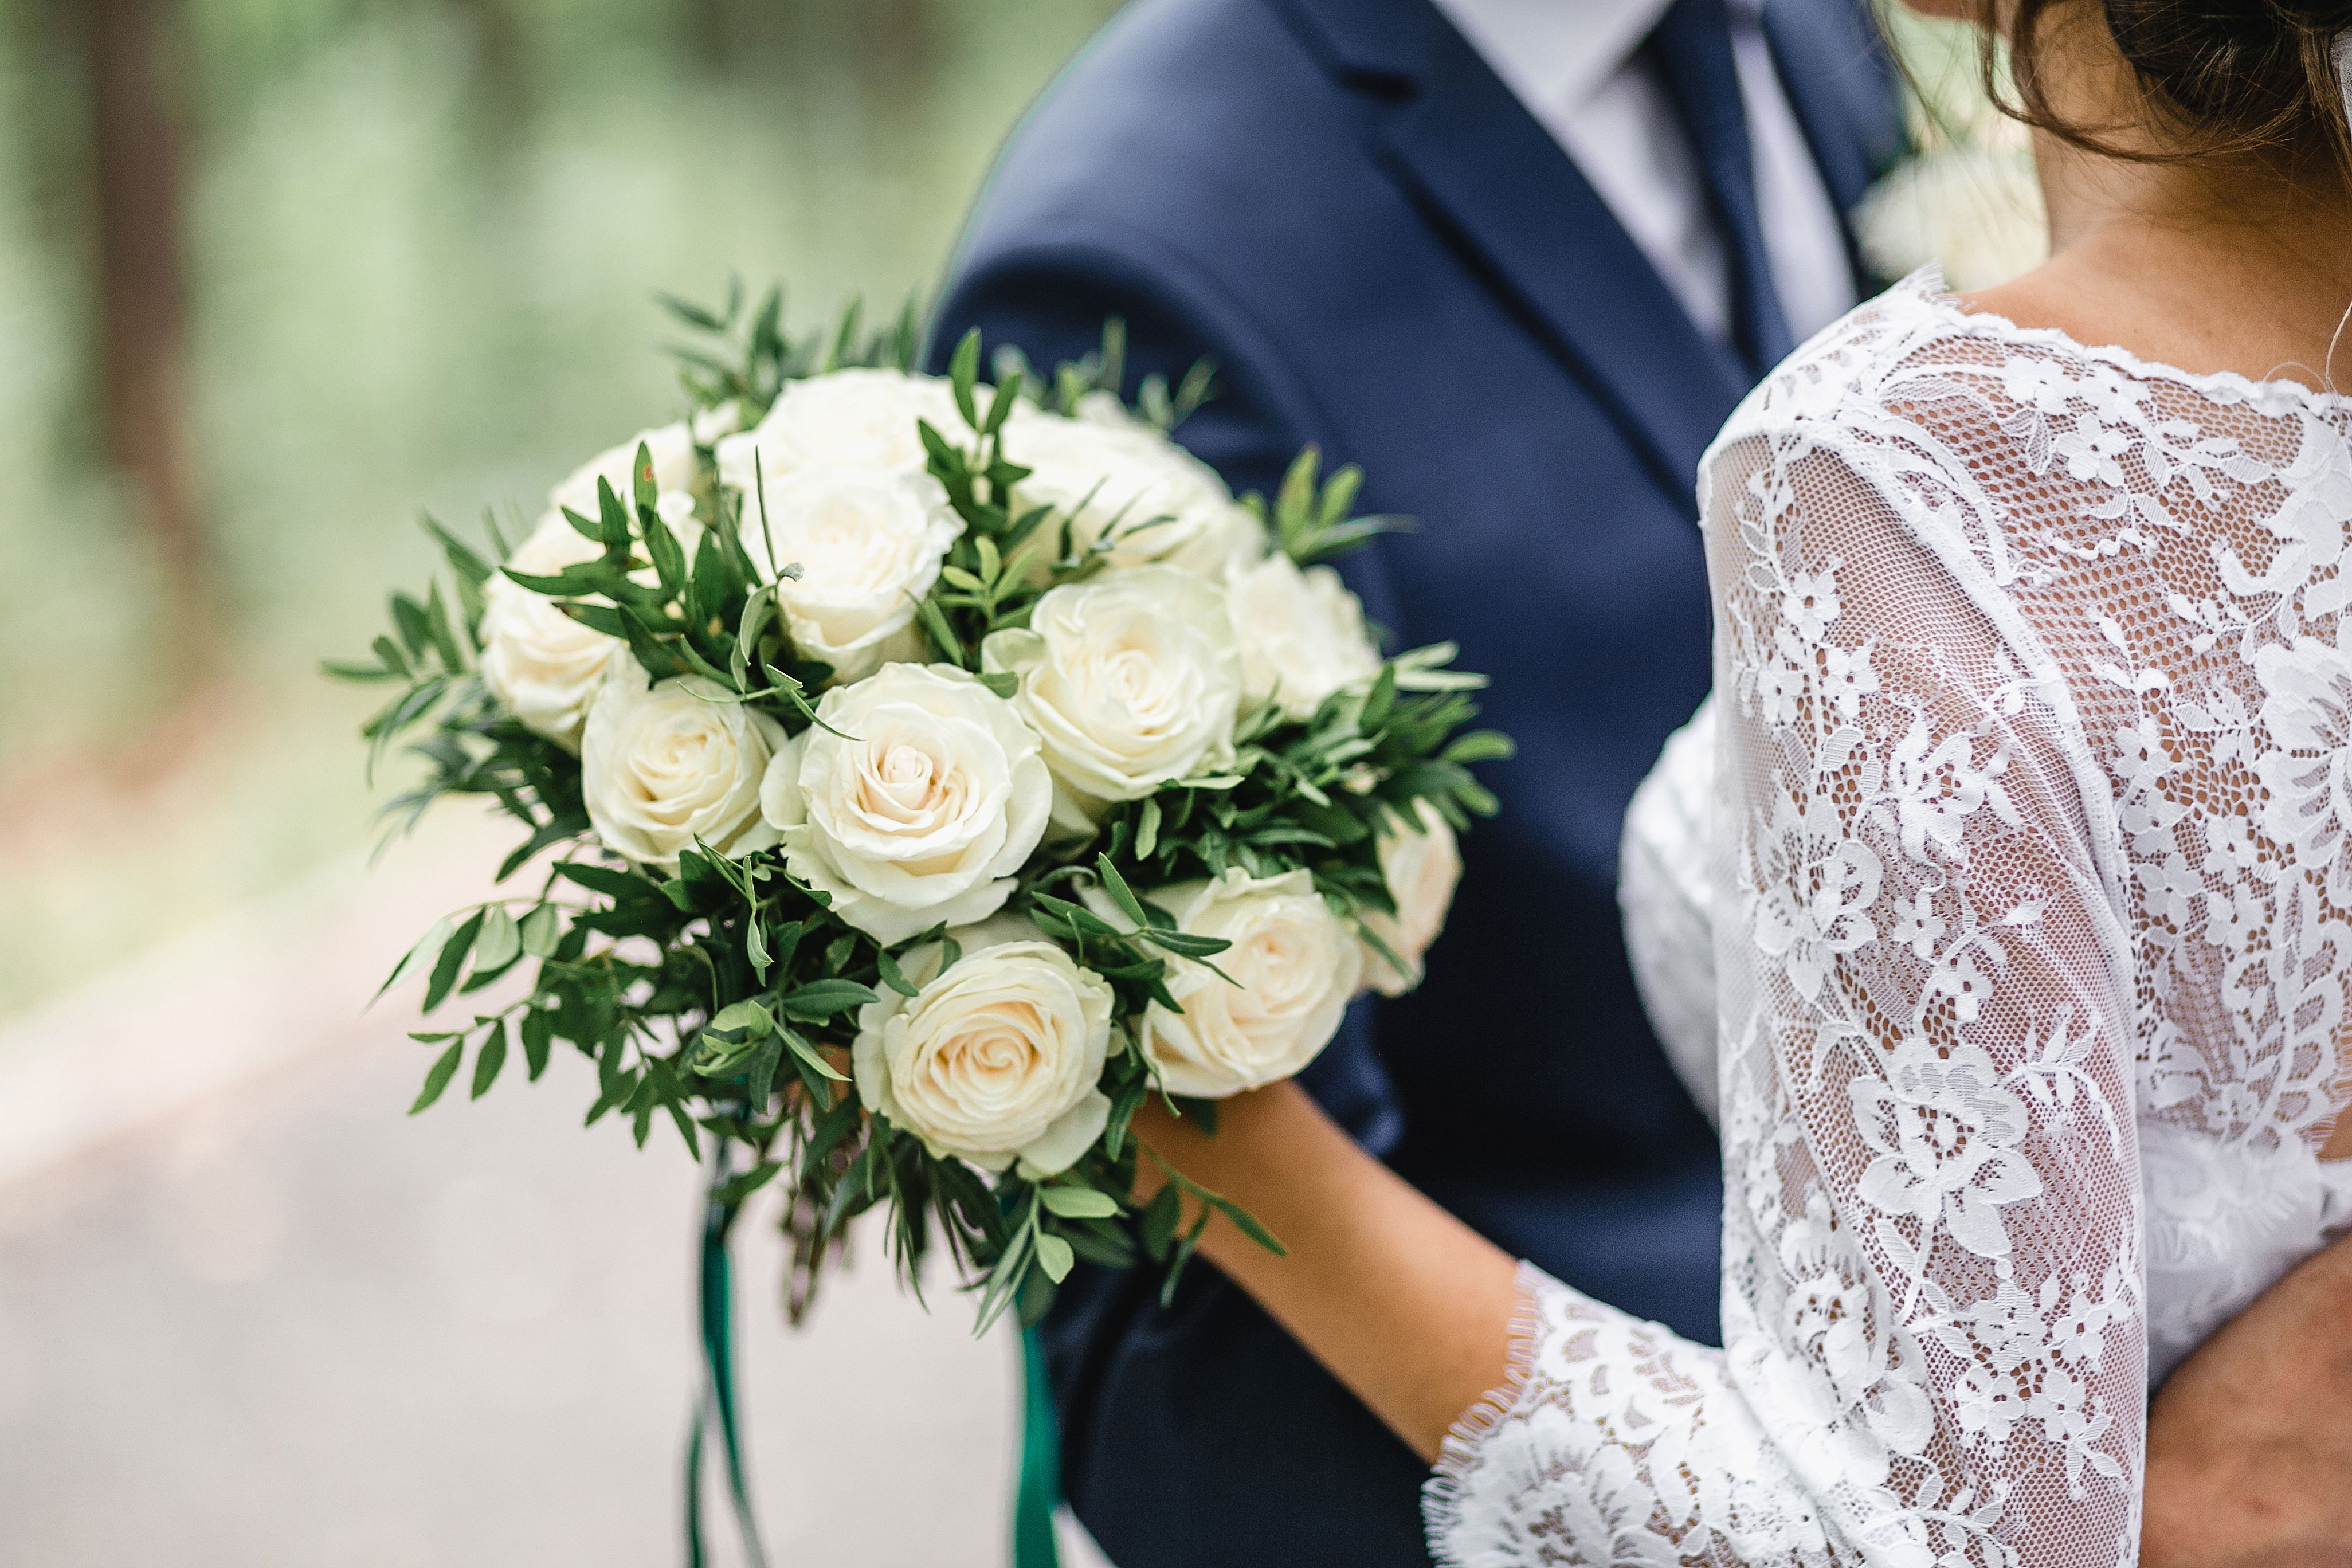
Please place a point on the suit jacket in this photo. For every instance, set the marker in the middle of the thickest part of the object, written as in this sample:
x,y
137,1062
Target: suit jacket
x,y
1339,204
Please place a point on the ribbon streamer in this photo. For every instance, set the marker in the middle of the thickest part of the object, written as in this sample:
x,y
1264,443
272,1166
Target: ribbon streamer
x,y
715,1406
1039,1491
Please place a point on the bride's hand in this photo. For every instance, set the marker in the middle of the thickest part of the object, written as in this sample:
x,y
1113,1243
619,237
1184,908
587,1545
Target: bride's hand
x,y
2249,1444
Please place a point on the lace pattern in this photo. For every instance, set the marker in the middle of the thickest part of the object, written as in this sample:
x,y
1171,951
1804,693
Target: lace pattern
x,y
2031,896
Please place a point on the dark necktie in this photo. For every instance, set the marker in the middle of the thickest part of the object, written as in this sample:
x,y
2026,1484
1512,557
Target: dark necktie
x,y
1692,46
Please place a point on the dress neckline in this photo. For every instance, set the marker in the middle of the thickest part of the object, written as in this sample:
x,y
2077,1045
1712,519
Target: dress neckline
x,y
1927,287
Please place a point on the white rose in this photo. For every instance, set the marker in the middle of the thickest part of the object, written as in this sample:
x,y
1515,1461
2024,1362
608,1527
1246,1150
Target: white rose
x,y
536,660
998,1059
1301,634
671,446
926,816
662,765
869,545
1112,473
1131,680
848,419
1421,870
1294,962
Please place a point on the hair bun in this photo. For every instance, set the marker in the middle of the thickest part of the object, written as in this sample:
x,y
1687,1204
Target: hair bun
x,y
2240,75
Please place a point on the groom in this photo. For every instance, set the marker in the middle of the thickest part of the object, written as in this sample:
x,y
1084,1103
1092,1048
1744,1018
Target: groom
x,y
1519,259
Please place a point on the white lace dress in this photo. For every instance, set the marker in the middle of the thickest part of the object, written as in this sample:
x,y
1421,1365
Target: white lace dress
x,y
2032,899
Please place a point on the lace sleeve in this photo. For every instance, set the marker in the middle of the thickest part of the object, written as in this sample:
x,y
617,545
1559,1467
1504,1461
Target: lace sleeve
x,y
1932,1281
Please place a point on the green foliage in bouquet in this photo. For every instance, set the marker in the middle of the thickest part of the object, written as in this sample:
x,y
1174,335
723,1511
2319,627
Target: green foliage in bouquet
x,y
718,984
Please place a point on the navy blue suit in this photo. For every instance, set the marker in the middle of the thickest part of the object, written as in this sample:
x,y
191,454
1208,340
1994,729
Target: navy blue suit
x,y
1339,204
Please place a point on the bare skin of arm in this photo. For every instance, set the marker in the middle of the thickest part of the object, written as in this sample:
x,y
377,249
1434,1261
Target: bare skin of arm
x,y
1402,1302
2249,1444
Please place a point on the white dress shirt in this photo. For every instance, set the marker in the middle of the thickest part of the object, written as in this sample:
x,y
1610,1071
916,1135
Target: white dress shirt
x,y
1574,64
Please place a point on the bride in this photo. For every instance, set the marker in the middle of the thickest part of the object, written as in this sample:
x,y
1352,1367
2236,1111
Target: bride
x,y
2029,790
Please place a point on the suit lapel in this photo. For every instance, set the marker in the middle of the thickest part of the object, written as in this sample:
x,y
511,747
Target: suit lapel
x,y
1516,208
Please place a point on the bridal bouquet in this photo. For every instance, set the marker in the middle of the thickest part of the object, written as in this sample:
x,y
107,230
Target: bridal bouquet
x,y
913,775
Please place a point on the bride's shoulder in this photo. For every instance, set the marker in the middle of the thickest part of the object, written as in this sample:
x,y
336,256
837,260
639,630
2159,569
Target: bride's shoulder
x,y
1970,388
1910,353
1915,365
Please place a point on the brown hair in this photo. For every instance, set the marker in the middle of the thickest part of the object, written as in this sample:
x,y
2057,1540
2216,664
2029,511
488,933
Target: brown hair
x,y
2221,78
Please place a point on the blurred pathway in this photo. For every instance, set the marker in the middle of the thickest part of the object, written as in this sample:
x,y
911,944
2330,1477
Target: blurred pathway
x,y
251,1315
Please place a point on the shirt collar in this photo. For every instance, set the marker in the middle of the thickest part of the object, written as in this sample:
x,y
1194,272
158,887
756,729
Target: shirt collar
x,y
1554,53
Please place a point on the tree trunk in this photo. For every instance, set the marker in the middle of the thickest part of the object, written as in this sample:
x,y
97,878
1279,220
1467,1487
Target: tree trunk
x,y
143,310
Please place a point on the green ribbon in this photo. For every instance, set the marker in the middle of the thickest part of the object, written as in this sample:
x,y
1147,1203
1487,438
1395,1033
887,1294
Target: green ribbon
x,y
715,1406
1040,1489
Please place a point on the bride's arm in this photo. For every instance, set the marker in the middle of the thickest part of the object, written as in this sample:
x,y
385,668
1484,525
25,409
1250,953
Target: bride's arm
x,y
1931,1231
1401,1301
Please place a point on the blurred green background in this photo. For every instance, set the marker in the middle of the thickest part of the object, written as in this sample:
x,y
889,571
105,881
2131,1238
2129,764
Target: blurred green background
x,y
276,274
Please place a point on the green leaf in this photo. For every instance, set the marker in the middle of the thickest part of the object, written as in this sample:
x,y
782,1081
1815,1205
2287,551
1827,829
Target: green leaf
x,y
1004,682
437,1077
935,622
500,941
432,941
1479,746
1079,1203
416,625
662,545
1248,1224
1076,916
821,999
747,1020
644,491
963,371
1186,945
490,1060
1053,1256
1147,830
1159,1218
1379,701
389,652
1120,893
611,518
539,930
537,1030
750,1181
893,976
452,959
1008,394
809,1055
626,886
445,639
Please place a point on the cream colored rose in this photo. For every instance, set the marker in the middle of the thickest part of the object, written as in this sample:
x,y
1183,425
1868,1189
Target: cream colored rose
x,y
1301,634
925,815
671,446
869,545
1422,869
996,1060
538,661
1131,680
1110,474
848,419
1295,965
664,764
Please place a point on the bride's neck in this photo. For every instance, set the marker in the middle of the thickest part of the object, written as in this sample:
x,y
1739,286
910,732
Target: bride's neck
x,y
2243,266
